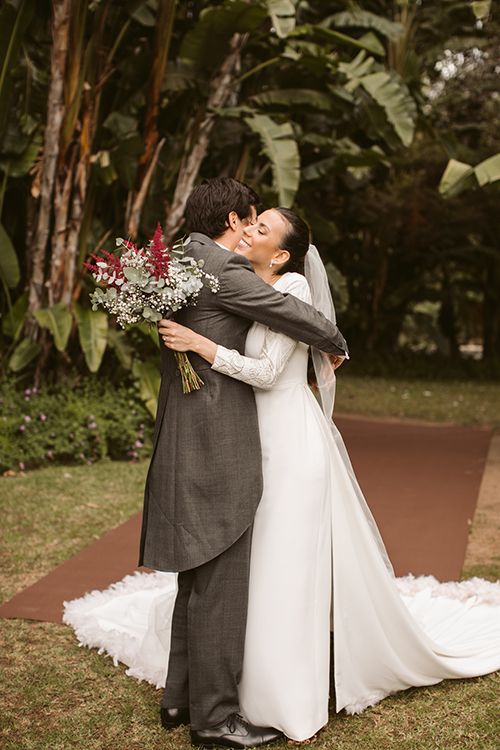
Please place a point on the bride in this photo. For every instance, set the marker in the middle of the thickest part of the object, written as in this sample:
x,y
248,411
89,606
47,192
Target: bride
x,y
315,546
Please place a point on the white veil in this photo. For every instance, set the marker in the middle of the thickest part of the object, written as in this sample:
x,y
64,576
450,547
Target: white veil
x,y
317,278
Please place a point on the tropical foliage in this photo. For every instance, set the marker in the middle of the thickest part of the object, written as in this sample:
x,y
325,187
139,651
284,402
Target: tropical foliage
x,y
71,423
111,112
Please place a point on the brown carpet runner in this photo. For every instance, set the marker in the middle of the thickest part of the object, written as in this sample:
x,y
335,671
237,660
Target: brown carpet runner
x,y
421,481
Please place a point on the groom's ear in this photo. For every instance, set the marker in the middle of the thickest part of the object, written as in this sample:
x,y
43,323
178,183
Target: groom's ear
x,y
232,220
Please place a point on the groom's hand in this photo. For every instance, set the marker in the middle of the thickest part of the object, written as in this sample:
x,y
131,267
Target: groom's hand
x,y
336,360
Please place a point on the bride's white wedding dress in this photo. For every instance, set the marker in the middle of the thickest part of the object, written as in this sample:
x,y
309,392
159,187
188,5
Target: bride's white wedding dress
x,y
312,543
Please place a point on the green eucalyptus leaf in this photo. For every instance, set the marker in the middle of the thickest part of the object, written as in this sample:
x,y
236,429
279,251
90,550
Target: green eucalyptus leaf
x,y
153,315
136,275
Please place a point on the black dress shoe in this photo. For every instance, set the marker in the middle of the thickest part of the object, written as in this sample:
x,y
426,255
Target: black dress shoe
x,y
174,717
235,732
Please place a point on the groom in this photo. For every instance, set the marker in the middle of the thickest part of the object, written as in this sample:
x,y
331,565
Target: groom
x,y
205,478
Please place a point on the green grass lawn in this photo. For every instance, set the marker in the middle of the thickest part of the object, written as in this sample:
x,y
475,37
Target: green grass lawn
x,y
62,696
50,514
466,403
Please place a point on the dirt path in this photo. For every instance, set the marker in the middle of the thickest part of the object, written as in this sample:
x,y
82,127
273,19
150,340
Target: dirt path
x,y
421,482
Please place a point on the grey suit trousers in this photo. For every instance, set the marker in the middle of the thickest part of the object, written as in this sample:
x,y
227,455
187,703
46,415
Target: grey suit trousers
x,y
208,636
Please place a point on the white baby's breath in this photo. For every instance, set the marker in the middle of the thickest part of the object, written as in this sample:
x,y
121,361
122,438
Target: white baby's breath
x,y
140,295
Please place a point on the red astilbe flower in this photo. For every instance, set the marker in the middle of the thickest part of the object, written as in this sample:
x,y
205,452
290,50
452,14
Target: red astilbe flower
x,y
158,254
113,268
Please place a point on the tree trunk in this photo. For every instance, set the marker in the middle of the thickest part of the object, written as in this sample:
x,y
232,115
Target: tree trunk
x,y
149,157
221,87
161,46
55,113
139,200
76,144
62,198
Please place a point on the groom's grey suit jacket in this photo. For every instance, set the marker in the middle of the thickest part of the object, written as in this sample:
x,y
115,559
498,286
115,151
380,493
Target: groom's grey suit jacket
x,y
205,478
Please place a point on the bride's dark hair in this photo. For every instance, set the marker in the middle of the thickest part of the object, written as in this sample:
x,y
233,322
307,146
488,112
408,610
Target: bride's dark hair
x,y
295,239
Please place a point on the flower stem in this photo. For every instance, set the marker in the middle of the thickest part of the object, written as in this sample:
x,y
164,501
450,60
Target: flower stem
x,y
190,379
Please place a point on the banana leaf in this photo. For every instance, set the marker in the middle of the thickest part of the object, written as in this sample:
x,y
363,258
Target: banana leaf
x,y
481,8
147,377
205,45
13,320
364,19
14,20
93,335
459,176
23,354
282,14
9,265
117,340
390,93
279,145
309,98
58,320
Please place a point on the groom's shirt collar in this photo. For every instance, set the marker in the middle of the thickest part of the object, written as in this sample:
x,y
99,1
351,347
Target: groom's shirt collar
x,y
199,237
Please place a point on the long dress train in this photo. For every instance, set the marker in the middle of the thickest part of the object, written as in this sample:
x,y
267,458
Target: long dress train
x,y
389,634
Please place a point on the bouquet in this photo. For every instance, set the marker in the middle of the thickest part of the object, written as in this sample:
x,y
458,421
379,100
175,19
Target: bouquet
x,y
148,284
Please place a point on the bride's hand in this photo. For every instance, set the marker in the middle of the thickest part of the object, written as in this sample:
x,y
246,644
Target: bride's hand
x,y
177,337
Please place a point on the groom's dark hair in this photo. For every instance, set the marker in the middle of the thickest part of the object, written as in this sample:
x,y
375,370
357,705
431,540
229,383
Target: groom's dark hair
x,y
209,204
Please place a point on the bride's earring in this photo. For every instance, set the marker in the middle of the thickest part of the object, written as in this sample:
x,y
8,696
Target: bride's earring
x,y
271,264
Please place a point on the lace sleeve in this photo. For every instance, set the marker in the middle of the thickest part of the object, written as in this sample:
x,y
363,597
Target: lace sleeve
x,y
264,371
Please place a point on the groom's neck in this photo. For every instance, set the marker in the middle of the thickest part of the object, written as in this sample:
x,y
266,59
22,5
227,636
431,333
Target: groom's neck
x,y
229,239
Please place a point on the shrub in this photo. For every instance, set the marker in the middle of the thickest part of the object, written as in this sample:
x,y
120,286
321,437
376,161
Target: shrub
x,y
78,422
